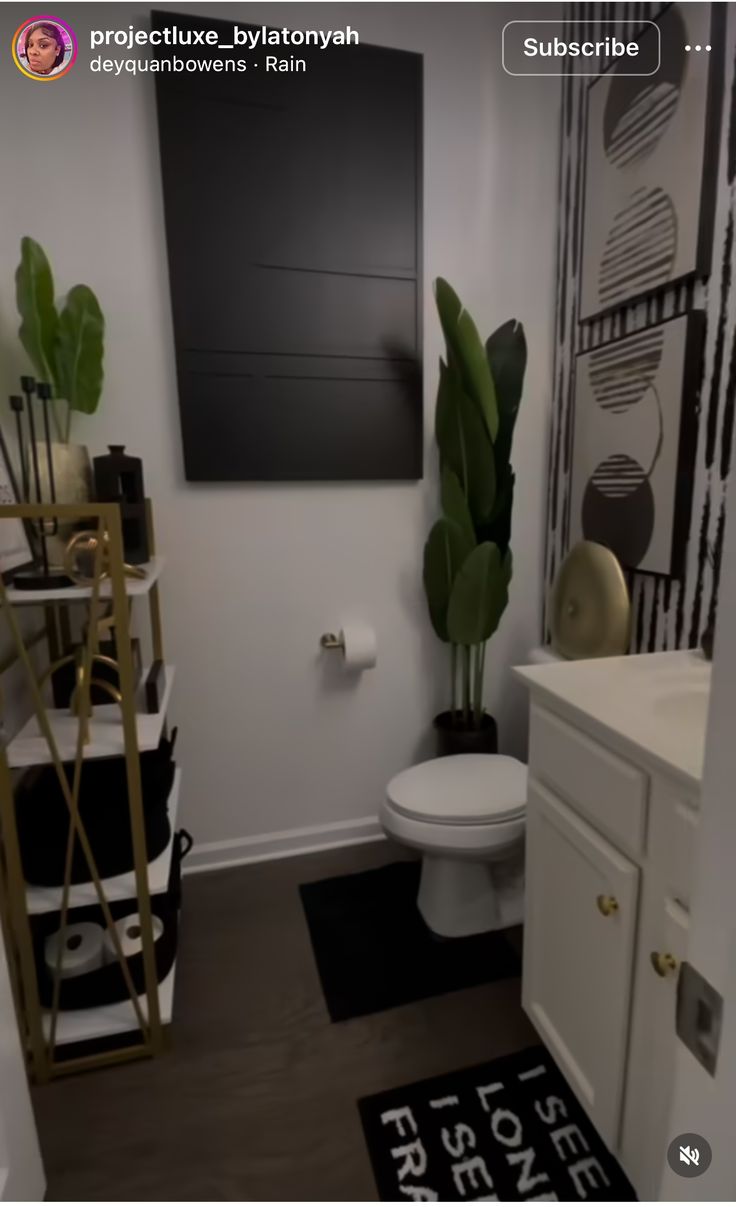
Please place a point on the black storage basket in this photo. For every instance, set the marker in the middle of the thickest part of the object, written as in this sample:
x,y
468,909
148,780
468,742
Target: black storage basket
x,y
42,816
105,986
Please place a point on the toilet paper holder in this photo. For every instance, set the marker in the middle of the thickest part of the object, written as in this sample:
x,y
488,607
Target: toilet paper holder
x,y
329,641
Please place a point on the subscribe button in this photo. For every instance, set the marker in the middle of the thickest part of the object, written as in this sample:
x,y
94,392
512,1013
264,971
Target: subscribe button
x,y
580,47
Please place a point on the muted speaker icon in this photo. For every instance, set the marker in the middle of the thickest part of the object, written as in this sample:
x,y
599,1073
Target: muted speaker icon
x,y
689,1155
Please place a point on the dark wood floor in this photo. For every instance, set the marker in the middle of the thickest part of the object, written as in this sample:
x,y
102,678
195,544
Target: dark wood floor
x,y
257,1097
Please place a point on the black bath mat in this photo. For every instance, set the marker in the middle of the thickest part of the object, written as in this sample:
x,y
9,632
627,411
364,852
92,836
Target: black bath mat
x,y
510,1129
374,950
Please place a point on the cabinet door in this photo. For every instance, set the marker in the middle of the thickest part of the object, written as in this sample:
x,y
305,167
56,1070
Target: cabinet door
x,y
663,935
581,902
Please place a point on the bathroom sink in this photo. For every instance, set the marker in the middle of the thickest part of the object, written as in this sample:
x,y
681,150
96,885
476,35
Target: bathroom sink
x,y
655,704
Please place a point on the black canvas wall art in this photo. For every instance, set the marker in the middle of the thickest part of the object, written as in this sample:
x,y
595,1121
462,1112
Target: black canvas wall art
x,y
293,206
634,443
651,140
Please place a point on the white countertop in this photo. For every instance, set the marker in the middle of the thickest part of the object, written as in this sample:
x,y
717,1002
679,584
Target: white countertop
x,y
654,706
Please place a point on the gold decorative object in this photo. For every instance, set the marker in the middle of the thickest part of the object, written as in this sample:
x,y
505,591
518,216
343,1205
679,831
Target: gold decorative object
x,y
79,557
591,610
91,557
606,905
77,691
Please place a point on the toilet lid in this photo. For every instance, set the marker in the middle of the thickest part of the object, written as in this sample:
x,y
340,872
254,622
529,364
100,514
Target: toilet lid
x,y
461,788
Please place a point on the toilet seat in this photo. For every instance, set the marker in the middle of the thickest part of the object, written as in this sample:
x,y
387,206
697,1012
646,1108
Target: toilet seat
x,y
461,790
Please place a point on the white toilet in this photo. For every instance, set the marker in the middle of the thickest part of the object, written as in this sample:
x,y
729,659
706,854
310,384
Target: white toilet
x,y
466,814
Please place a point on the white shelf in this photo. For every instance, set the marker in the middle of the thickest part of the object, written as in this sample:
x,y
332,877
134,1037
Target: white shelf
x,y
29,748
78,1026
133,587
44,899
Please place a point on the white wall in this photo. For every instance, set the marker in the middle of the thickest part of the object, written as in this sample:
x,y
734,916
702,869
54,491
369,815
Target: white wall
x,y
270,738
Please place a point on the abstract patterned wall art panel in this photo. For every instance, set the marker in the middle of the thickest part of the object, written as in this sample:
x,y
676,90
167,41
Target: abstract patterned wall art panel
x,y
634,444
649,164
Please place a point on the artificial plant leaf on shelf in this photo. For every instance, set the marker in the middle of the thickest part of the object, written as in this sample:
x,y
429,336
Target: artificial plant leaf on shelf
x,y
79,350
465,445
507,355
445,551
454,503
479,595
34,293
467,355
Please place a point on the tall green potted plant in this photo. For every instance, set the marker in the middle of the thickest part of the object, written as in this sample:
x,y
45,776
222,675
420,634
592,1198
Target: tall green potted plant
x,y
467,557
65,345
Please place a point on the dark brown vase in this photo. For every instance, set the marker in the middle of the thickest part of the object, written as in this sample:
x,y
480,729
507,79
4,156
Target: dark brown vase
x,y
457,738
119,479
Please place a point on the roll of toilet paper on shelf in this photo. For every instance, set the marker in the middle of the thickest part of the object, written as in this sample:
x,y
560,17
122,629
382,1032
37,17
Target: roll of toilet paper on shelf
x,y
130,934
81,947
360,648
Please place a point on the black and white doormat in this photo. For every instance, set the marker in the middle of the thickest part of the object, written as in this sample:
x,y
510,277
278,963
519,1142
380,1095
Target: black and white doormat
x,y
510,1129
374,951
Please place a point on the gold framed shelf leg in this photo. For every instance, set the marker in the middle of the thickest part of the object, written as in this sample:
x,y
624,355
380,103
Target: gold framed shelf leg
x,y
133,771
154,605
75,824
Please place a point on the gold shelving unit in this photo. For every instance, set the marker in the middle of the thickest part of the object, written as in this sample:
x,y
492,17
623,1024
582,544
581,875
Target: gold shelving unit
x,y
56,736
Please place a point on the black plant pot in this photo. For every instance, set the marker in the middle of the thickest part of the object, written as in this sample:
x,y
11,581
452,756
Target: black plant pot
x,y
454,737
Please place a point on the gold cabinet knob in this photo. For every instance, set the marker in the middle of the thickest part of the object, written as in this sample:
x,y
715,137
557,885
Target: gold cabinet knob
x,y
606,905
663,963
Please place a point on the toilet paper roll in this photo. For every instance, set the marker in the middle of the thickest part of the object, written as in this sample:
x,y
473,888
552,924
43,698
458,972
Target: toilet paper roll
x,y
360,648
130,934
81,949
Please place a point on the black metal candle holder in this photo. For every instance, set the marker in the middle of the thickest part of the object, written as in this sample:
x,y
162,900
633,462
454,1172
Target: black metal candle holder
x,y
44,578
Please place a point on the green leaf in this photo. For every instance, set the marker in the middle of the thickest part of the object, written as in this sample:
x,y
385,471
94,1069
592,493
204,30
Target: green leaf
x,y
446,549
506,354
454,504
476,373
464,444
498,527
34,293
479,595
466,353
449,308
79,350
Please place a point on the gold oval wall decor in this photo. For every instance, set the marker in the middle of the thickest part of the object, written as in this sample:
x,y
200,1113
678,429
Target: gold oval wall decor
x,y
591,609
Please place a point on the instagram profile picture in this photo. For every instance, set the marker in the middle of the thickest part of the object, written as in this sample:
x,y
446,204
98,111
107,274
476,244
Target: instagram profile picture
x,y
44,48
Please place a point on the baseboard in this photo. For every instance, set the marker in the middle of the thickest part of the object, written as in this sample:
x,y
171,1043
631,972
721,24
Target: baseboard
x,y
208,856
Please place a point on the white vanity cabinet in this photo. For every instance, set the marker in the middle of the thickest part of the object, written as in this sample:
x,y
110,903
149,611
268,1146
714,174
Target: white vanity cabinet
x,y
611,829
578,952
